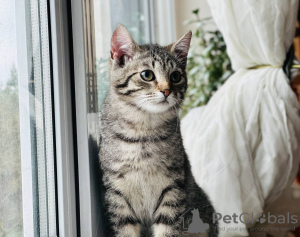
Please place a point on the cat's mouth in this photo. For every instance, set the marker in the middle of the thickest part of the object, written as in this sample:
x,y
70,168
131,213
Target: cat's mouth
x,y
164,101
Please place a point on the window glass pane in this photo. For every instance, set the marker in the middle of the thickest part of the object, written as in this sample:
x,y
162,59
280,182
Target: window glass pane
x,y
27,181
132,14
11,216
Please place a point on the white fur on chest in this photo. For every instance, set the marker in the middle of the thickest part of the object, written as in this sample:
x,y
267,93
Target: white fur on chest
x,y
146,178
143,188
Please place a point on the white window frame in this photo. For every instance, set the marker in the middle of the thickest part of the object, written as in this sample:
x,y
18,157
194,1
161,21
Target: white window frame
x,y
66,190
87,223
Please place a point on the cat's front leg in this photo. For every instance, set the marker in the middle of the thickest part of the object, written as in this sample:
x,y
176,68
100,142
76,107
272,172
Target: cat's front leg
x,y
167,221
122,216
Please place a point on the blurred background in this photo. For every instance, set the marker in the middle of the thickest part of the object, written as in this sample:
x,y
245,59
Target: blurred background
x,y
28,181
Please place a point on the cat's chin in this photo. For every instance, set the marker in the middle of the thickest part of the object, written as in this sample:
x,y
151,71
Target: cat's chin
x,y
157,108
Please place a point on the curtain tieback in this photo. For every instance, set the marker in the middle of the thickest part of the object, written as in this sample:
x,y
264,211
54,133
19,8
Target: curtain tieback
x,y
287,65
296,66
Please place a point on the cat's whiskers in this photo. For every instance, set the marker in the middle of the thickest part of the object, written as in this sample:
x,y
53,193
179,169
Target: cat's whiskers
x,y
149,95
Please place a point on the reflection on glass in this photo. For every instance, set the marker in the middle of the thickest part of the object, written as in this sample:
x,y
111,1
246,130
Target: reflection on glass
x,y
11,220
102,79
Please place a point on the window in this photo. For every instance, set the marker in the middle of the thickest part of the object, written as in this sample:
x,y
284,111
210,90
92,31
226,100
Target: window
x,y
27,175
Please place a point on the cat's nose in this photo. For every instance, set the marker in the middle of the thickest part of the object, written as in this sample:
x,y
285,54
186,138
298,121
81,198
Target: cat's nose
x,y
166,92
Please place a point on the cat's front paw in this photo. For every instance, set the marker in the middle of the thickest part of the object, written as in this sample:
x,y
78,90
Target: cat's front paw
x,y
161,230
129,231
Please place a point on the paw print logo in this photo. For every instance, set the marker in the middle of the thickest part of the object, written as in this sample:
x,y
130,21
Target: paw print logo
x,y
195,223
261,218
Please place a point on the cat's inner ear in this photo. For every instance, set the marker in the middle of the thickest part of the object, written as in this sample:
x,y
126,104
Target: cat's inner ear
x,y
122,45
181,47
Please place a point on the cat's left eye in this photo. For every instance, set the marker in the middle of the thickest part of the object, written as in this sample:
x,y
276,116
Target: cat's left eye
x,y
175,77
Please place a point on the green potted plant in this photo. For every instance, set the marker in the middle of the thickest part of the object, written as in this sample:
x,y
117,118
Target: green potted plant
x,y
208,64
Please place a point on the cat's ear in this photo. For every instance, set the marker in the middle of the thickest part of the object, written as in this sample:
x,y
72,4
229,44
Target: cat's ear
x,y
122,45
181,47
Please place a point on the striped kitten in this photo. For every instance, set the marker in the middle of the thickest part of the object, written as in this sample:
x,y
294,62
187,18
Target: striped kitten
x,y
147,180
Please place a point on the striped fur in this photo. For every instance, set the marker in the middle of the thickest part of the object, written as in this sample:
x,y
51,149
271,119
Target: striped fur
x,y
146,176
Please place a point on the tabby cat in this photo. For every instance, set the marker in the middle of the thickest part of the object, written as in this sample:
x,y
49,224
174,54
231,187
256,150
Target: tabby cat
x,y
146,176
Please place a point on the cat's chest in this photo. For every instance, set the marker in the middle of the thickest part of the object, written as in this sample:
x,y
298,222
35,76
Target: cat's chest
x,y
143,170
143,188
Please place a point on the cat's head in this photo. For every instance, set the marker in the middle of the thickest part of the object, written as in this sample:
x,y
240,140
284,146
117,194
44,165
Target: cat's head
x,y
149,77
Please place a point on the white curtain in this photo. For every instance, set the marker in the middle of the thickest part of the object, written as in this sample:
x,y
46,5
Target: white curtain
x,y
244,146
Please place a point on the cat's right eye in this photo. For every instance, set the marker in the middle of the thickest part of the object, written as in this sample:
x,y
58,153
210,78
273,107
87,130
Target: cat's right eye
x,y
147,75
